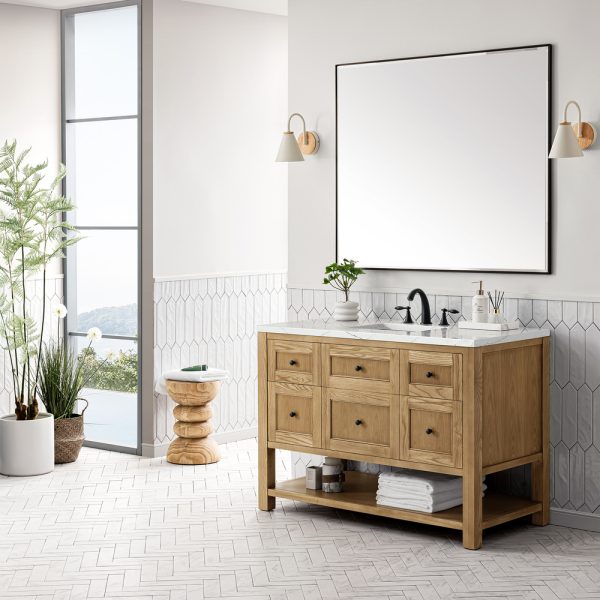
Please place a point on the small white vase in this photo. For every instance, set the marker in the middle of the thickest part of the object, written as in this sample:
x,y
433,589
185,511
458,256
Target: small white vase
x,y
346,311
26,447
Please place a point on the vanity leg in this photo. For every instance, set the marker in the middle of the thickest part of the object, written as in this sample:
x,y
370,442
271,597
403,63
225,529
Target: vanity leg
x,y
472,465
540,491
540,471
266,455
472,513
266,477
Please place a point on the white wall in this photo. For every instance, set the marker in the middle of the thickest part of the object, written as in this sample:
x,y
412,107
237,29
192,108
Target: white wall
x,y
220,104
322,34
30,90
30,97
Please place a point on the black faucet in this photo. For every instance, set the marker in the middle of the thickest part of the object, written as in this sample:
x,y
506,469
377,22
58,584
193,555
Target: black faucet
x,y
426,310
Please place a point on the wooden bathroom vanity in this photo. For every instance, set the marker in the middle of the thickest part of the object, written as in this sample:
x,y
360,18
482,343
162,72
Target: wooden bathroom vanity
x,y
445,400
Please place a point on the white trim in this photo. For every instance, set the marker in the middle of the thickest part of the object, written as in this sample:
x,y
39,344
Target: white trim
x,y
269,7
460,293
154,451
161,278
574,519
160,450
49,276
235,436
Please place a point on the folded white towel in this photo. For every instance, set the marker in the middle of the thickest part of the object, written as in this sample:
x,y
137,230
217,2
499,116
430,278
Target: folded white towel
x,y
421,505
419,489
193,376
419,496
426,482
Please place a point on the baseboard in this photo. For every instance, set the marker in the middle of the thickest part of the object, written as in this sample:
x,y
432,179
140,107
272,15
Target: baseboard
x,y
154,450
574,519
225,437
235,436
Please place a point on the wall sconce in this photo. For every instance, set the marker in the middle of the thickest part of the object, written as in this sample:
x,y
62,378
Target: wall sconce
x,y
570,140
290,149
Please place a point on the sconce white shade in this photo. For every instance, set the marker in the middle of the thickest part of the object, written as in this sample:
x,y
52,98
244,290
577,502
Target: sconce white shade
x,y
289,151
565,143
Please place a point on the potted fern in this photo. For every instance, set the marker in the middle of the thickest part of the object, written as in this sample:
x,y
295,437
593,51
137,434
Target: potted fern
x,y
32,234
342,276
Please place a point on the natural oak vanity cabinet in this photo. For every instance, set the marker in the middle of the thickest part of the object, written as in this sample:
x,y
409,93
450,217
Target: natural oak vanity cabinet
x,y
448,402
295,414
361,422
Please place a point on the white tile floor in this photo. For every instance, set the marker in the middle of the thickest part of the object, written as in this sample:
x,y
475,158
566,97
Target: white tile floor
x,y
117,526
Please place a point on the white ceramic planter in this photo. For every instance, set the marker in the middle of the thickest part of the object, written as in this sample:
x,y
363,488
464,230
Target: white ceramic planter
x,y
26,447
346,311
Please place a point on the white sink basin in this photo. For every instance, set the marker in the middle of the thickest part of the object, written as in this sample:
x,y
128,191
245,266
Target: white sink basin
x,y
392,326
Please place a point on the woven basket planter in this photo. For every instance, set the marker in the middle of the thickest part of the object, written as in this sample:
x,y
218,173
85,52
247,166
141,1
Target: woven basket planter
x,y
68,438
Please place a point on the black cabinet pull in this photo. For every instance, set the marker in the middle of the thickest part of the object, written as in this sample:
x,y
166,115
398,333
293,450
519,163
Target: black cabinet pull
x,y
358,368
293,414
292,362
358,422
429,431
429,374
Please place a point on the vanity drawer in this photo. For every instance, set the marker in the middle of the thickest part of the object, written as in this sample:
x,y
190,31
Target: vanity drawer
x,y
431,374
295,362
294,414
431,431
361,423
361,368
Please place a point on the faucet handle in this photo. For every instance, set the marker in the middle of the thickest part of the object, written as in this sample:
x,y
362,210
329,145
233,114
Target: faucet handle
x,y
408,318
444,321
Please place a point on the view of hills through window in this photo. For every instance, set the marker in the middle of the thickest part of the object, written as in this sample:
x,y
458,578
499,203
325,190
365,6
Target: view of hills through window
x,y
114,363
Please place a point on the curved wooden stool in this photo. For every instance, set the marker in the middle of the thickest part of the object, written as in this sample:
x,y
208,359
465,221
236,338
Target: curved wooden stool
x,y
193,426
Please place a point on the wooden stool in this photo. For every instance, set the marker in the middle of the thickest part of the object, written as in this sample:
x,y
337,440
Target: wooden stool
x,y
193,426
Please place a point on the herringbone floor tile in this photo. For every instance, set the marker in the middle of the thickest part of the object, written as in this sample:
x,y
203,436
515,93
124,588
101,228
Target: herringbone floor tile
x,y
117,526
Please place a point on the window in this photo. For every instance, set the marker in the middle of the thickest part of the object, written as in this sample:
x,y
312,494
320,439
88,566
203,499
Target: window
x,y
101,152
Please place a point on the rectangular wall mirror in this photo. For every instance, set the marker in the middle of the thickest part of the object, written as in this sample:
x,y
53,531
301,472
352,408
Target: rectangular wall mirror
x,y
442,162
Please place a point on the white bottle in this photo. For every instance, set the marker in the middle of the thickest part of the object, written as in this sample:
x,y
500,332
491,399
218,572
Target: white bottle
x,y
479,313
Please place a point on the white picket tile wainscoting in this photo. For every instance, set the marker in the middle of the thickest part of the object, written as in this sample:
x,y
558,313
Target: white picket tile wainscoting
x,y
574,390
213,320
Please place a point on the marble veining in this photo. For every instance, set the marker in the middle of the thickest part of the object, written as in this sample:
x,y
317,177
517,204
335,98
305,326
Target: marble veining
x,y
442,336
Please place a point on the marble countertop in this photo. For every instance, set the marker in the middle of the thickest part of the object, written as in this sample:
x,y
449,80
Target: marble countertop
x,y
442,336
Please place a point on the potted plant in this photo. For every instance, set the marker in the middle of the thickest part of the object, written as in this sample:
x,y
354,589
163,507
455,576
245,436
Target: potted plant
x,y
63,375
32,234
342,276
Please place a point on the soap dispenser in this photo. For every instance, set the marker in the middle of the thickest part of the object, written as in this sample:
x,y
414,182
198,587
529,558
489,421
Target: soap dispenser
x,y
479,313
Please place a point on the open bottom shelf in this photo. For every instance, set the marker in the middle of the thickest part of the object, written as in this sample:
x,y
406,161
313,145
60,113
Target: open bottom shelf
x,y
359,495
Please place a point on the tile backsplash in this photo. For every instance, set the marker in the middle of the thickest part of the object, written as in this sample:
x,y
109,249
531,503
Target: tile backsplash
x,y
213,320
574,376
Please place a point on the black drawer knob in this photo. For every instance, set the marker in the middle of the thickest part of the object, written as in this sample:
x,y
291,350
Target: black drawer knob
x,y
429,431
293,414
429,374
292,362
358,422
358,368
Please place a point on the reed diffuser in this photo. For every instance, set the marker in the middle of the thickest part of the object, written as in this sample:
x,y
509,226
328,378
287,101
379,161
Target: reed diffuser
x,y
496,304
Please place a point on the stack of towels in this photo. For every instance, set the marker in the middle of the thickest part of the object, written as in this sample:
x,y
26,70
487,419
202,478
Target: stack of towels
x,y
426,492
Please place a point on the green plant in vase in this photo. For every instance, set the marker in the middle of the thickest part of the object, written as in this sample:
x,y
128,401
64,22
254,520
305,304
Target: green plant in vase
x,y
32,235
342,276
63,375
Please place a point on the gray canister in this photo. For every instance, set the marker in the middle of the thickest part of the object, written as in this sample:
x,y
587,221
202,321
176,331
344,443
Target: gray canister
x,y
313,478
